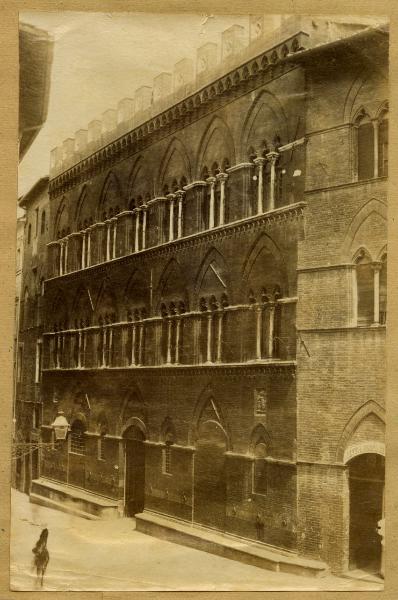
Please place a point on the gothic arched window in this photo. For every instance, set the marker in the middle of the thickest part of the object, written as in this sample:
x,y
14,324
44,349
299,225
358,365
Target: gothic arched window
x,y
365,289
364,147
167,453
383,291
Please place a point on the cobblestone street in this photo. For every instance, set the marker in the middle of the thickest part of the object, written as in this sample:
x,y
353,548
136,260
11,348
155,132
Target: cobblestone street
x,y
111,555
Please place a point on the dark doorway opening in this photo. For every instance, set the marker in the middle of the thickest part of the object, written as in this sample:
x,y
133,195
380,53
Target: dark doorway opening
x,y
134,471
209,476
366,482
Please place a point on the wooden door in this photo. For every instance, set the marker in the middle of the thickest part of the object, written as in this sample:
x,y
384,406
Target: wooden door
x,y
135,474
366,509
209,476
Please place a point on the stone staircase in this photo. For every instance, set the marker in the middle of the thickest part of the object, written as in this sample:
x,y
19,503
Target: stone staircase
x,y
72,500
228,546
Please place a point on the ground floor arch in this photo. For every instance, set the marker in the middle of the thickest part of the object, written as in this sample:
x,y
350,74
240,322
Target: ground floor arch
x,y
134,469
366,509
209,497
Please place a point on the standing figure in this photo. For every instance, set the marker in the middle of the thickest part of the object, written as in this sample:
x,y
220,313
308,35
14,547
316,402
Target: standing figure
x,y
41,555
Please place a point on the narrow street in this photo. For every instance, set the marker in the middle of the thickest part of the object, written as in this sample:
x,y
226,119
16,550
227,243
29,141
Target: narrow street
x,y
112,556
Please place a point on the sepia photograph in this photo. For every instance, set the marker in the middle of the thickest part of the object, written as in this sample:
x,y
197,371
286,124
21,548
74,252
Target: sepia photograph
x,y
201,302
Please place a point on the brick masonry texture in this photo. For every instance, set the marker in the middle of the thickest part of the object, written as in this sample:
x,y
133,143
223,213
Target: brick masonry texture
x,y
324,387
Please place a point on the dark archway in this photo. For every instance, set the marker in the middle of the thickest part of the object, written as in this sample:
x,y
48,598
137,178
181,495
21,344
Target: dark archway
x,y
209,476
366,484
134,494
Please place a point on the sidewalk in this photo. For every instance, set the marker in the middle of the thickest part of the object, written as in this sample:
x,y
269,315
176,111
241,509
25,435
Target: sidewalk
x,y
111,556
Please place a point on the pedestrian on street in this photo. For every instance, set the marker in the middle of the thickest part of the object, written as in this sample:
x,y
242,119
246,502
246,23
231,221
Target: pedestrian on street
x,y
41,556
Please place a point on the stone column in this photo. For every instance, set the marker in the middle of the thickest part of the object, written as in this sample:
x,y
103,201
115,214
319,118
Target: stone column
x,y
133,335
144,218
376,293
114,225
171,216
272,157
271,330
212,182
137,230
375,123
79,349
104,339
169,324
140,343
110,346
84,347
130,233
219,336
180,198
259,332
259,162
222,178
108,240
178,328
88,261
57,350
83,261
61,258
62,362
66,255
209,331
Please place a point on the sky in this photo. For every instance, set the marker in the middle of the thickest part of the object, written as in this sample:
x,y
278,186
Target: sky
x,y
100,58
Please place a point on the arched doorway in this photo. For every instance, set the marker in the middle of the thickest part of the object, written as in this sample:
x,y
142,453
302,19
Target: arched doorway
x,y
134,487
366,484
209,476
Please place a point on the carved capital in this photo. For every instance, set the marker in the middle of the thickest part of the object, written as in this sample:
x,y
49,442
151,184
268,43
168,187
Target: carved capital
x,y
272,156
260,161
377,265
222,176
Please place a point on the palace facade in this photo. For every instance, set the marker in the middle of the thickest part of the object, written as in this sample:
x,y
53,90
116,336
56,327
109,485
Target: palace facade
x,y
215,306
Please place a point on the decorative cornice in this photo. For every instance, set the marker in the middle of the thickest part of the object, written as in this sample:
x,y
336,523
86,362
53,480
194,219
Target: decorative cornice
x,y
272,366
325,268
194,184
244,165
250,75
278,216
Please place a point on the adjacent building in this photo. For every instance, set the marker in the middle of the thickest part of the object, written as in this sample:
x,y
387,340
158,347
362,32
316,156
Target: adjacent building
x,y
215,300
35,62
28,403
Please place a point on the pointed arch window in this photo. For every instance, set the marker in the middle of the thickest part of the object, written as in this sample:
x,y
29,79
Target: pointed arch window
x,y
365,289
364,146
383,291
167,453
371,289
